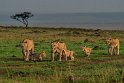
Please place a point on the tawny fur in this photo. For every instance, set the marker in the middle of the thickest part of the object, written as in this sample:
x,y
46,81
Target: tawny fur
x,y
27,48
86,50
70,54
57,47
113,46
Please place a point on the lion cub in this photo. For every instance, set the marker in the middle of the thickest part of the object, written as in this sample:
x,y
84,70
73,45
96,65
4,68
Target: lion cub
x,y
36,56
69,54
86,50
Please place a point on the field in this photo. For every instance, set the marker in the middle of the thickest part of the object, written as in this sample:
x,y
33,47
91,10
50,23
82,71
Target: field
x,y
98,67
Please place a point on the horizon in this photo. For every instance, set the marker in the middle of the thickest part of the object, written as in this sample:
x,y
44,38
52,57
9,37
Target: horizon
x,y
85,20
60,13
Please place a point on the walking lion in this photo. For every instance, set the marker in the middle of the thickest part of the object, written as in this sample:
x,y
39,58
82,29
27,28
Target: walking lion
x,y
113,46
58,47
27,48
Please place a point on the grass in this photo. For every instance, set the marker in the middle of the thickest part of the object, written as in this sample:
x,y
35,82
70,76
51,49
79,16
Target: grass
x,y
99,67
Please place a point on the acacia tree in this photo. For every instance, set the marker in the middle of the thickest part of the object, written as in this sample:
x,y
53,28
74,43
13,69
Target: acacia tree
x,y
22,17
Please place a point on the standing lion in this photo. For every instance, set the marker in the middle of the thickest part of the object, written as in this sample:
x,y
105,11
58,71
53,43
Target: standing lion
x,y
58,47
113,46
27,48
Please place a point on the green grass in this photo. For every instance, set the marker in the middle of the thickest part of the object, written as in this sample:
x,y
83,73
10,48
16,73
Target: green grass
x,y
99,67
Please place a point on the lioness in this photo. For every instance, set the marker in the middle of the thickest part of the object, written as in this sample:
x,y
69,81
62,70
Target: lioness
x,y
36,56
57,47
86,50
27,48
68,53
113,46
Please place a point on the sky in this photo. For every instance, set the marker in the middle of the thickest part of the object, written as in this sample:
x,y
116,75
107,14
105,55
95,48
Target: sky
x,y
61,6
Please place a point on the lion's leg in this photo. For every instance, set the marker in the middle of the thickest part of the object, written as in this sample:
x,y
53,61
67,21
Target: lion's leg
x,y
32,50
60,56
24,54
111,51
66,57
115,51
40,58
88,54
27,55
52,56
118,50
72,57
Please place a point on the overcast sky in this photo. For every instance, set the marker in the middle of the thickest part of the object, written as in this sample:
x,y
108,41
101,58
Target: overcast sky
x,y
61,6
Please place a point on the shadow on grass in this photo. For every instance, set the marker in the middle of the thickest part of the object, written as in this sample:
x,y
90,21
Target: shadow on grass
x,y
14,59
11,59
41,61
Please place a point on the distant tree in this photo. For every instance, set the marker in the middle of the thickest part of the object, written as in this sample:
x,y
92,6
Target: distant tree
x,y
22,17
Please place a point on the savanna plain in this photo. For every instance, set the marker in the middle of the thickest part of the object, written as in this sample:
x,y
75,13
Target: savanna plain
x,y
99,67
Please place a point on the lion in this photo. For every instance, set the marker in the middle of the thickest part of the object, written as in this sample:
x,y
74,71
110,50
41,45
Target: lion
x,y
113,46
27,48
57,47
68,53
36,56
86,50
